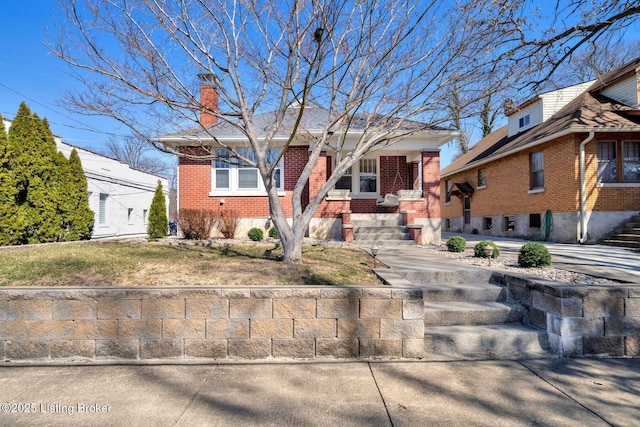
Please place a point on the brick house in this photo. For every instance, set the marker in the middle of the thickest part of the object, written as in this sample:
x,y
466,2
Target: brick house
x,y
407,170
566,167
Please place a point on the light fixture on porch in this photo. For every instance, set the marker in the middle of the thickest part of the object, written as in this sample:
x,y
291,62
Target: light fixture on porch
x,y
488,251
374,253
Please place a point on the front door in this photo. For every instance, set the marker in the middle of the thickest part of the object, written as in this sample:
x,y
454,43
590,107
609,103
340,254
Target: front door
x,y
466,210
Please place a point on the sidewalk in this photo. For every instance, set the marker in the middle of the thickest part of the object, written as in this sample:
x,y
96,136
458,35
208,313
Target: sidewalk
x,y
555,392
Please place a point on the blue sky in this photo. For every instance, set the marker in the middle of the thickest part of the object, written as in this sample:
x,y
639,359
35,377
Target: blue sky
x,y
30,73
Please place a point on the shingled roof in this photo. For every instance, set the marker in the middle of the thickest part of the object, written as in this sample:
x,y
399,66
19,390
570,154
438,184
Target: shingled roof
x,y
590,111
313,121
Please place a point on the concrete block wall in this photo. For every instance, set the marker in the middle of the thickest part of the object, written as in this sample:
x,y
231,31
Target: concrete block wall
x,y
581,320
210,323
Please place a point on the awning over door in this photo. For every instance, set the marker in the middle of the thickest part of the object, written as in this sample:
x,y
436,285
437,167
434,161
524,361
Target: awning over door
x,y
461,189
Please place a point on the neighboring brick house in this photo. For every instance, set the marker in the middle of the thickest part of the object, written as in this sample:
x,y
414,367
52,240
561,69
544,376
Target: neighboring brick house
x,y
412,164
566,166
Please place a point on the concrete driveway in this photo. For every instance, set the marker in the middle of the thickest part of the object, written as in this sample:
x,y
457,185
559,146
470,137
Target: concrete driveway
x,y
610,262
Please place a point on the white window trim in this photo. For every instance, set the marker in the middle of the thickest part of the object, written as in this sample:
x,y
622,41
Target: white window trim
x,y
536,190
355,180
233,189
600,184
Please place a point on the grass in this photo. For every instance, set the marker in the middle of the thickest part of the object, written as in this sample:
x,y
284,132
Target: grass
x,y
119,263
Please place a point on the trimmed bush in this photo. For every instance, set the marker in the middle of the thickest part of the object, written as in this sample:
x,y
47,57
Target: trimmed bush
x,y
226,222
273,233
478,249
158,223
456,244
256,234
195,224
533,255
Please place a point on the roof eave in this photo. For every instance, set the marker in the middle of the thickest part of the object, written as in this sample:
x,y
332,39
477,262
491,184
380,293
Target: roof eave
x,y
538,142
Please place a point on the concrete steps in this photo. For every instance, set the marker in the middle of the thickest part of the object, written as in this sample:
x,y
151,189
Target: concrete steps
x,y
473,321
628,236
470,313
500,341
381,229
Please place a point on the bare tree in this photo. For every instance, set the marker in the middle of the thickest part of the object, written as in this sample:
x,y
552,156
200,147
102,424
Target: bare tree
x,y
383,63
542,39
596,59
137,153
390,65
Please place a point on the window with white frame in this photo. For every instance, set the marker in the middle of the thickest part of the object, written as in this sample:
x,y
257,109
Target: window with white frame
x,y
368,175
361,178
102,209
231,174
536,163
523,121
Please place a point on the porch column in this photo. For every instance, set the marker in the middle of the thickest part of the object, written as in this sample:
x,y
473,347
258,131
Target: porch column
x,y
428,214
430,166
318,175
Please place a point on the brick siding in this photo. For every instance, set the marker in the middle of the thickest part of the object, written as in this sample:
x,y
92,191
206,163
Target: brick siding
x,y
507,190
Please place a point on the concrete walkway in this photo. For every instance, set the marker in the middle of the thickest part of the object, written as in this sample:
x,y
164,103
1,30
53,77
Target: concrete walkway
x,y
553,392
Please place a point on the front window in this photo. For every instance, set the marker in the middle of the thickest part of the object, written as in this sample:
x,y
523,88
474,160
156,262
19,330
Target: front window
x,y
631,161
447,188
482,177
230,173
368,175
537,170
361,178
607,161
614,168
344,183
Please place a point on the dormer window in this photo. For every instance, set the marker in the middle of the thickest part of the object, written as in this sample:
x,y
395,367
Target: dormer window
x,y
524,121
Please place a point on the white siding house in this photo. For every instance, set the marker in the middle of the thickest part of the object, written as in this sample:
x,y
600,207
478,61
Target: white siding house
x,y
119,196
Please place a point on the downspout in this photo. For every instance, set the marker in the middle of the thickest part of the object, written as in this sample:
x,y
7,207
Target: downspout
x,y
583,189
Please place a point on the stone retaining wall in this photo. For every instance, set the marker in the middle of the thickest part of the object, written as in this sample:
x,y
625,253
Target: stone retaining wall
x,y
210,323
581,320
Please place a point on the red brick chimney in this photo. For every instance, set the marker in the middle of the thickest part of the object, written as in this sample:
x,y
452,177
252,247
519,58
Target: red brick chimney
x,y
208,100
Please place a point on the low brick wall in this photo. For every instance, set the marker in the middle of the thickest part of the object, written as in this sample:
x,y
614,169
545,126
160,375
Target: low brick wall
x,y
581,320
210,323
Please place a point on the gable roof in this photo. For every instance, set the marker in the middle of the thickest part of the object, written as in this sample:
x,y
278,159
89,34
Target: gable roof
x,y
589,111
313,120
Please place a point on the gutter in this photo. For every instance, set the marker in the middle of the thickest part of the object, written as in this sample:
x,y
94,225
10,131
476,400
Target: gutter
x,y
535,143
582,237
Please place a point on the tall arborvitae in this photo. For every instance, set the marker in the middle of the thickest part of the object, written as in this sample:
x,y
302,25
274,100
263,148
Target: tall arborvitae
x,y
158,223
36,218
7,188
77,218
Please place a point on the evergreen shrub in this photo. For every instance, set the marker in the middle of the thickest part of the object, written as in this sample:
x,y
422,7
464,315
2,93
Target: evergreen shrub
x,y
256,234
273,233
158,222
456,244
534,255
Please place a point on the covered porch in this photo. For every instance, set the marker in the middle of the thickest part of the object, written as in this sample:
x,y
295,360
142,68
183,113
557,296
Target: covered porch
x,y
400,182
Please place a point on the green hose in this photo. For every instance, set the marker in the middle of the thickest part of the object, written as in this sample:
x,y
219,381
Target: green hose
x,y
547,224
